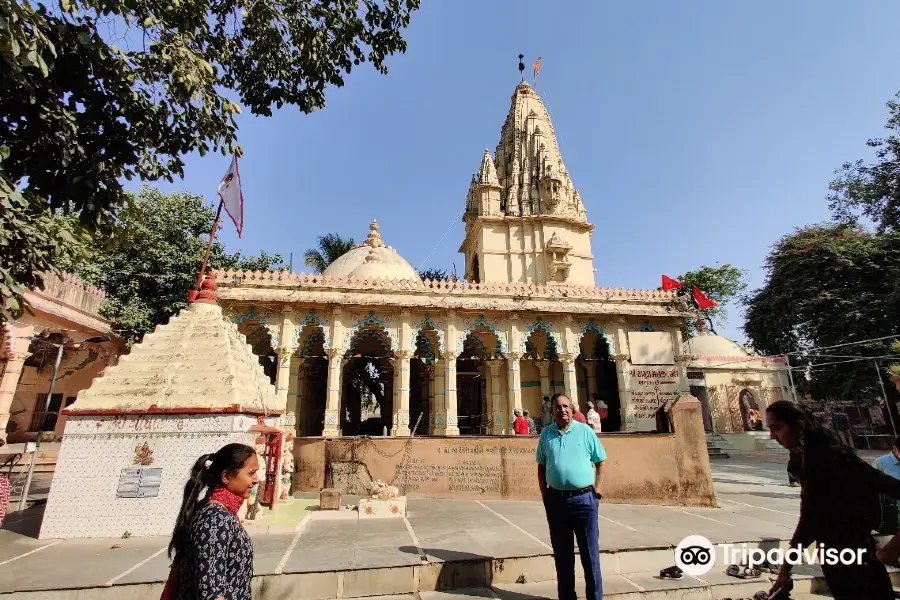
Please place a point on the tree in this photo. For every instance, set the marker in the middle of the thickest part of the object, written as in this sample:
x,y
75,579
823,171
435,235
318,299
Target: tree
x,y
872,190
85,107
147,274
721,284
331,247
827,285
434,275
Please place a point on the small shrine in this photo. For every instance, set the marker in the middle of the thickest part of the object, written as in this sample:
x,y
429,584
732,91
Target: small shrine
x,y
189,388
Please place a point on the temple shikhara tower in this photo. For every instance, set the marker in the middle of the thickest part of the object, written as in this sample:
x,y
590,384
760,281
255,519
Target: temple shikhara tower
x,y
368,348
525,222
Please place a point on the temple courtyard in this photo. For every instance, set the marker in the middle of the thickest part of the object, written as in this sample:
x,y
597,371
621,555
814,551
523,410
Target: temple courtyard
x,y
458,547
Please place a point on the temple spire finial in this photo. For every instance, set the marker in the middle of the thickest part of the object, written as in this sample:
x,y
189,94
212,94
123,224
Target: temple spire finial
x,y
522,66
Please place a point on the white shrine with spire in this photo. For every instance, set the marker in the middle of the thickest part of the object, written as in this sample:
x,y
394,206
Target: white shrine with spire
x,y
367,347
525,222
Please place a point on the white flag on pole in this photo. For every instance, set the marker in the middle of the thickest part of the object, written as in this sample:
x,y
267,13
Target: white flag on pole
x,y
232,198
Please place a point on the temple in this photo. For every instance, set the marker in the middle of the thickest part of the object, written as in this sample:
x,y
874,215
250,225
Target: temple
x,y
368,348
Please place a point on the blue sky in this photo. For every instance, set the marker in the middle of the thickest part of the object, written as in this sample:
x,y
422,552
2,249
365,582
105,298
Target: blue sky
x,y
696,132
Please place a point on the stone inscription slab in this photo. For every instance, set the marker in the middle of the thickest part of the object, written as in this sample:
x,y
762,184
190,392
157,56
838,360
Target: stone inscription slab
x,y
651,387
139,482
493,469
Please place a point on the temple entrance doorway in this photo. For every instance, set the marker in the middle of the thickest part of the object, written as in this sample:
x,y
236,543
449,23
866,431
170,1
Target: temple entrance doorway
x,y
367,385
312,380
474,392
422,367
600,366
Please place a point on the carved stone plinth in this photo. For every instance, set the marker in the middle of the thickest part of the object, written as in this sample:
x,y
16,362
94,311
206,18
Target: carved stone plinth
x,y
373,508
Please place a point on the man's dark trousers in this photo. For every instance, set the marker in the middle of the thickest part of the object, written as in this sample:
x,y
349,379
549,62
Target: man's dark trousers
x,y
568,514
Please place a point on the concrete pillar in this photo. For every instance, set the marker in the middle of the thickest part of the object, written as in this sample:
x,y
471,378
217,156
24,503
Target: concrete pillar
x,y
283,377
333,397
514,377
570,379
623,378
681,362
446,422
439,409
428,392
497,415
543,367
400,420
16,355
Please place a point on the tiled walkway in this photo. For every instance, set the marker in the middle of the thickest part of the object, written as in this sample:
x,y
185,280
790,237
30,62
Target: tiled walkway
x,y
755,503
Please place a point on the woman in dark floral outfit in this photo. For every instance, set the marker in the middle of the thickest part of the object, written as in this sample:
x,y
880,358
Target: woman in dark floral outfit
x,y
839,503
213,556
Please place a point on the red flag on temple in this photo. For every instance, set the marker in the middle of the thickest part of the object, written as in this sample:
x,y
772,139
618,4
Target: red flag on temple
x,y
669,284
702,301
537,66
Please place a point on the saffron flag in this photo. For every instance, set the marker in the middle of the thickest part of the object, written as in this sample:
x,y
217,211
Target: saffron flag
x,y
702,301
231,195
537,66
669,284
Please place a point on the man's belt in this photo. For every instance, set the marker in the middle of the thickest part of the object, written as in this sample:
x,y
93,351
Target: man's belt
x,y
571,493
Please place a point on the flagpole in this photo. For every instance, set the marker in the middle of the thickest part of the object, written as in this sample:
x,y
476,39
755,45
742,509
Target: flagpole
x,y
212,236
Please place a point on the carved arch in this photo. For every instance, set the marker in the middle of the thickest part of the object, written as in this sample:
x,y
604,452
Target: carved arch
x,y
314,319
481,323
371,321
425,323
593,326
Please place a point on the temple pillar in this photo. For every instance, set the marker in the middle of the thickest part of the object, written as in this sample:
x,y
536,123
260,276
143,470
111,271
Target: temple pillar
x,y
333,397
439,410
623,378
16,355
446,422
283,377
400,420
429,389
543,367
570,378
498,419
514,377
681,362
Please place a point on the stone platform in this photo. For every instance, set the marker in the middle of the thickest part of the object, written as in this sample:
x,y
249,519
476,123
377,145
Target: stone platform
x,y
441,545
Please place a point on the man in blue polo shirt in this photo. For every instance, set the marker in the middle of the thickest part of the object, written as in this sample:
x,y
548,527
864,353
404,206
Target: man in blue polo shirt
x,y
570,465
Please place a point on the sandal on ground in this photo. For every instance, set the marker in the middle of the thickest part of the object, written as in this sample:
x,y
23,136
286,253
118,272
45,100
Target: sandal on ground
x,y
672,572
742,572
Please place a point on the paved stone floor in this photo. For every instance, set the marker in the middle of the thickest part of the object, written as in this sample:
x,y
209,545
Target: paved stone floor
x,y
755,504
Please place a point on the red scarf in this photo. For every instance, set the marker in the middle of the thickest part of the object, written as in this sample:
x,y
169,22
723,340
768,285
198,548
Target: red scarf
x,y
229,500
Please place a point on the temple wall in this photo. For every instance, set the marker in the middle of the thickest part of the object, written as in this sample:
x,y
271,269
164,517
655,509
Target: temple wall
x,y
668,469
84,497
75,374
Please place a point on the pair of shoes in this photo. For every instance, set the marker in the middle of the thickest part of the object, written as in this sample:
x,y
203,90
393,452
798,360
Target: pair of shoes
x,y
672,572
742,572
767,567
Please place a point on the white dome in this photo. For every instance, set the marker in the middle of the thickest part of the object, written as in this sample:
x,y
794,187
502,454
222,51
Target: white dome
x,y
371,260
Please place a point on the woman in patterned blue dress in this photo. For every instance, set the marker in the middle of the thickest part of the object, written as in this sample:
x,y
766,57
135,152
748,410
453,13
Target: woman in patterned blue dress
x,y
213,556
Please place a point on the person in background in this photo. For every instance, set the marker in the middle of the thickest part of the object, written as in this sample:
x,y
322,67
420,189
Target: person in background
x,y
570,468
532,426
839,504
841,423
593,418
212,556
578,415
546,412
520,425
890,508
